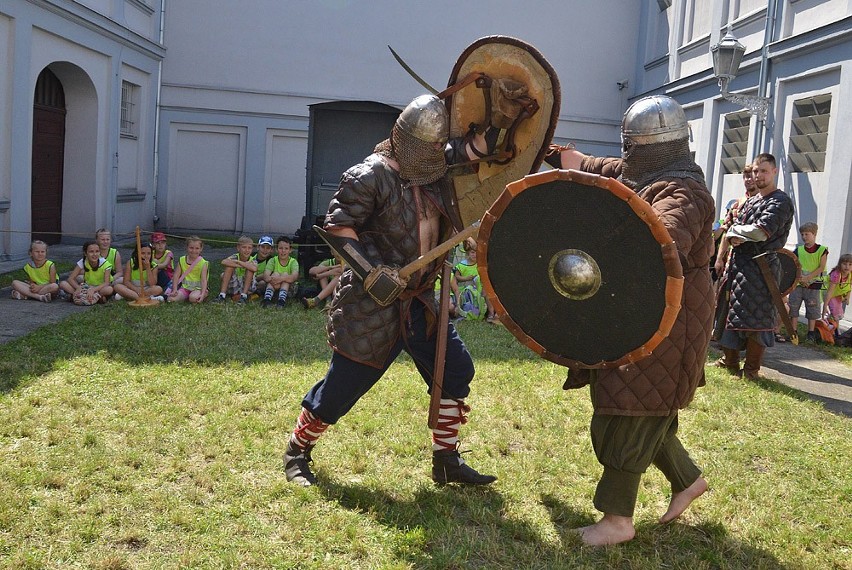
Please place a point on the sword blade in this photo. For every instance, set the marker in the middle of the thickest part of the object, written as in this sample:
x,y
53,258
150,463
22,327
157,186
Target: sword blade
x,y
412,73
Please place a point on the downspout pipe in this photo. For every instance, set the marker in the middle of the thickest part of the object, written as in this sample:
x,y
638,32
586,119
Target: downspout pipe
x,y
763,76
157,114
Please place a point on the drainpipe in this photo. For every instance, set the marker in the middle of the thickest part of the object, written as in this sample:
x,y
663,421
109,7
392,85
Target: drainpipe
x,y
157,114
762,87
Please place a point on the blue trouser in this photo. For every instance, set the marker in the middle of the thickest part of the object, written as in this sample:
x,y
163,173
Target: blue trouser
x,y
346,380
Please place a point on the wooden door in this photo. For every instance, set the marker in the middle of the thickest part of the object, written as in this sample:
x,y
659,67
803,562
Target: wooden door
x,y
48,159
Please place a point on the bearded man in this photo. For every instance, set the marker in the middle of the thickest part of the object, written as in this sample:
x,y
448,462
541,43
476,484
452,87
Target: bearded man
x,y
635,418
762,226
390,210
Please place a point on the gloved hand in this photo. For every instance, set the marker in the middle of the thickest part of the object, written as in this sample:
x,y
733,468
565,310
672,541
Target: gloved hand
x,y
384,284
507,101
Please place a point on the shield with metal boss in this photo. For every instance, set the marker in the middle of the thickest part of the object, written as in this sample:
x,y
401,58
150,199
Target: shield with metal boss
x,y
580,269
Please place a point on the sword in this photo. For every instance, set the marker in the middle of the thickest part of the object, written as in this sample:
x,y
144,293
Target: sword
x,y
412,73
772,284
362,267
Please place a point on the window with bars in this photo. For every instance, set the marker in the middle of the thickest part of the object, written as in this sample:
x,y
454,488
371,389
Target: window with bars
x,y
735,142
809,133
129,95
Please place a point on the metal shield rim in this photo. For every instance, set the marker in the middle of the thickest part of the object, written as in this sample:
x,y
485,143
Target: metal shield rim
x,y
643,210
787,253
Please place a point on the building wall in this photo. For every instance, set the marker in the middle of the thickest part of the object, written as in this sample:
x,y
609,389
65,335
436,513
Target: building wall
x,y
298,54
91,47
808,54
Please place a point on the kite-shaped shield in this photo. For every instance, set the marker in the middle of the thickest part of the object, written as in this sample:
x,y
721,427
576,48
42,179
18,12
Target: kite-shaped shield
x,y
580,269
791,271
501,58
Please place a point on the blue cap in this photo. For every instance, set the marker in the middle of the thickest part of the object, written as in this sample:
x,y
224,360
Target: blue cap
x,y
265,240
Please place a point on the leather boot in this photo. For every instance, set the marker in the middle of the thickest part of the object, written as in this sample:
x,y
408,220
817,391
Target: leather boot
x,y
753,359
296,465
449,467
730,361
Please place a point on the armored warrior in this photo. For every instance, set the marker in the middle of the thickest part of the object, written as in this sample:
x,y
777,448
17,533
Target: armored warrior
x,y
636,406
762,226
389,210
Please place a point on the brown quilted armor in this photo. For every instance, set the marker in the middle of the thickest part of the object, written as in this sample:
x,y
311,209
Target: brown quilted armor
x,y
666,381
374,201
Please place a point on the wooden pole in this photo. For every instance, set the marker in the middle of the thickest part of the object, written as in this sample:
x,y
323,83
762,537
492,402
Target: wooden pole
x,y
440,348
144,300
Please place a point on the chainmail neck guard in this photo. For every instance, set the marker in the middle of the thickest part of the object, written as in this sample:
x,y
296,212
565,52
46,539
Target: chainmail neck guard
x,y
419,162
646,163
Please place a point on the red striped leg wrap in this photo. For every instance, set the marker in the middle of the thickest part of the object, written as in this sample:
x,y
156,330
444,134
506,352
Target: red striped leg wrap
x,y
452,414
308,429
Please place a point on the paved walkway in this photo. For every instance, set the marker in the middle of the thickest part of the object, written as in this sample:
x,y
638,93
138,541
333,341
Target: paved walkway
x,y
801,367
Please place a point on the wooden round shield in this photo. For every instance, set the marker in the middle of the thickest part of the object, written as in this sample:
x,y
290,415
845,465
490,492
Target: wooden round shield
x,y
501,57
580,269
791,270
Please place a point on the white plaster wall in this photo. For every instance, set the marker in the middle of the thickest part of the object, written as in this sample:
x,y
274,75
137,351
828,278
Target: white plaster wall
x,y
206,174
310,52
6,135
803,15
85,76
284,207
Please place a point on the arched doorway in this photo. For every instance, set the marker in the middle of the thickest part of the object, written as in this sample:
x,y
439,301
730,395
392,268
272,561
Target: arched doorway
x,y
48,158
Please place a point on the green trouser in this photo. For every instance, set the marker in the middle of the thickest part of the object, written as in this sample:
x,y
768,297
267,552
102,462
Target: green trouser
x,y
626,446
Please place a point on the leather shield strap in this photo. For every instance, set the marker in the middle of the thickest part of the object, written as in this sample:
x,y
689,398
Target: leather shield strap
x,y
777,299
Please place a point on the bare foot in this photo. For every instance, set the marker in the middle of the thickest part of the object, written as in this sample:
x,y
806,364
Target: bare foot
x,y
611,529
681,501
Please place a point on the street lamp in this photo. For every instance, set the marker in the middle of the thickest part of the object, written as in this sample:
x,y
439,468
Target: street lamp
x,y
727,55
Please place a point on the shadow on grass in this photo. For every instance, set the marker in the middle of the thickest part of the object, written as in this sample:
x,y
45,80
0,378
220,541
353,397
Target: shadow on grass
x,y
208,335
469,528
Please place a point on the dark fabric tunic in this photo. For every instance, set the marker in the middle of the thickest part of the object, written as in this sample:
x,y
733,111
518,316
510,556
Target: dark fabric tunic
x,y
666,380
751,307
378,205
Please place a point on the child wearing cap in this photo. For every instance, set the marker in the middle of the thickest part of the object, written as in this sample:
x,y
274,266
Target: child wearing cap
x,y
265,250
238,277
164,258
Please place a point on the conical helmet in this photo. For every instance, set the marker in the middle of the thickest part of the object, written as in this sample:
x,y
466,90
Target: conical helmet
x,y
654,119
425,119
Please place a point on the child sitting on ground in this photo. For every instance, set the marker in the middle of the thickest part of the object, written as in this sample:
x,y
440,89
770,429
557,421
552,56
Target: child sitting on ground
x,y
104,239
96,286
42,282
129,289
839,287
472,303
163,258
281,273
812,258
328,269
238,277
190,279
265,252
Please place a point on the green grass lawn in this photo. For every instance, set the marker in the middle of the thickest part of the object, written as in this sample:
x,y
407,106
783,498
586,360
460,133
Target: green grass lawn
x,y
152,438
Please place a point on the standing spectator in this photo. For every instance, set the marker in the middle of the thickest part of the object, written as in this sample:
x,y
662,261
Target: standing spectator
x,y
812,257
762,226
42,282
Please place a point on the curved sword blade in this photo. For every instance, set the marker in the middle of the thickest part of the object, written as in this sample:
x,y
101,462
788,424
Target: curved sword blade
x,y
411,72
